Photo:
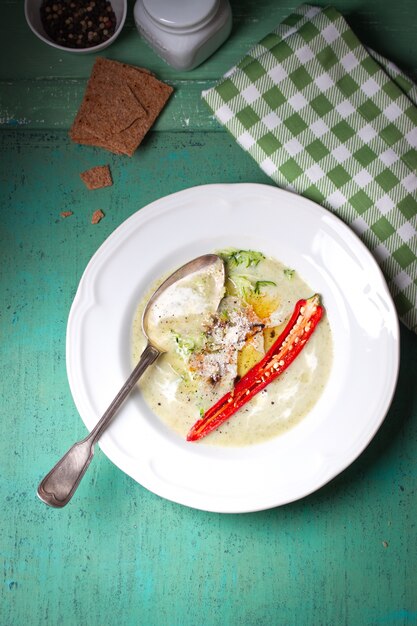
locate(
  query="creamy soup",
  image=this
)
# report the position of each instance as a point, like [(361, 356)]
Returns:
[(213, 332)]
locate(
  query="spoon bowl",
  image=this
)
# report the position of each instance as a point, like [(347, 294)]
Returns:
[(208, 263), (60, 484)]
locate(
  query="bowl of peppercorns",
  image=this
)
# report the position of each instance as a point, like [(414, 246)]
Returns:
[(76, 25)]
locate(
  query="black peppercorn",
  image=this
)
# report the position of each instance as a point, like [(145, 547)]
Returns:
[(78, 23)]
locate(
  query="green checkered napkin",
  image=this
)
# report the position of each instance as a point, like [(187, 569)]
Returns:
[(327, 118)]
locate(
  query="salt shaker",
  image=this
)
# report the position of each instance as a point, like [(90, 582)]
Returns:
[(184, 32)]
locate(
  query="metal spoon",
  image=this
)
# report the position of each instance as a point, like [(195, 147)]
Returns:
[(59, 485)]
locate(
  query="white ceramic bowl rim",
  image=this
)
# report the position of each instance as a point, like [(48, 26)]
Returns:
[(33, 18)]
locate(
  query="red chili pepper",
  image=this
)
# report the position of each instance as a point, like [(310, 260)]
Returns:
[(306, 315)]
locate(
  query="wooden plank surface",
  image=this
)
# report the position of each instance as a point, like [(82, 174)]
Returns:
[(118, 555)]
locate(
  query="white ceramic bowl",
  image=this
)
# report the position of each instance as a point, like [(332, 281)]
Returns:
[(329, 257), (33, 18)]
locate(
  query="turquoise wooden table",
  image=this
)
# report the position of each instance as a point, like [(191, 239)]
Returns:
[(119, 555)]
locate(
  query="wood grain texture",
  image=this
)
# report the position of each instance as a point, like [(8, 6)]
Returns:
[(118, 555)]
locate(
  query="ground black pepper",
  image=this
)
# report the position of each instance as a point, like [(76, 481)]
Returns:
[(78, 23)]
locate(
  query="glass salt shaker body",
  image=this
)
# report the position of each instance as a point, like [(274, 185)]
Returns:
[(184, 32)]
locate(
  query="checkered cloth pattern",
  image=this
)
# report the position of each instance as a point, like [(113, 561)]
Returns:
[(329, 119)]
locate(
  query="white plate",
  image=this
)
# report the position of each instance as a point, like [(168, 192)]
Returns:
[(330, 258)]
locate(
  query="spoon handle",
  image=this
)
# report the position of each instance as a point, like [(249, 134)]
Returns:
[(59, 485)]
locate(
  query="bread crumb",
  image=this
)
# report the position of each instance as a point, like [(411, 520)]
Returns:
[(97, 216), (97, 177), (66, 213)]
